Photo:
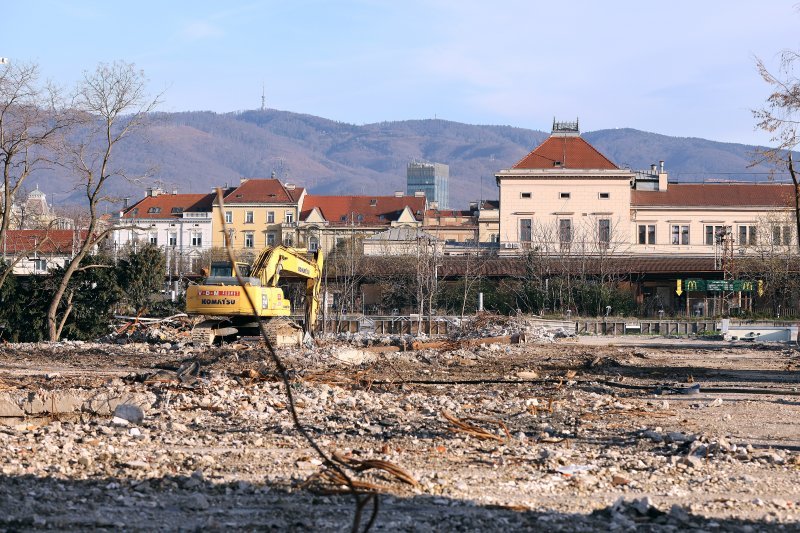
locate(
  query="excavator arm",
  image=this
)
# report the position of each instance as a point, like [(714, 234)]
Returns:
[(276, 261)]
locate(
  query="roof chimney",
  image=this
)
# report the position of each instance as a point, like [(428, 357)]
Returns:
[(174, 191), (653, 168), (290, 186), (125, 202), (661, 165), (398, 194), (154, 191), (419, 194), (242, 181)]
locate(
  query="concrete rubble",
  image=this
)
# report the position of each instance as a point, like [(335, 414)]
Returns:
[(531, 436)]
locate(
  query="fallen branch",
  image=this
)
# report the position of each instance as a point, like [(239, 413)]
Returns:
[(360, 465), (461, 426)]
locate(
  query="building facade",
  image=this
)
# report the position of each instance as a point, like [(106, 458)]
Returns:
[(179, 224), (564, 197), (36, 251), (328, 222), (258, 213), (567, 197)]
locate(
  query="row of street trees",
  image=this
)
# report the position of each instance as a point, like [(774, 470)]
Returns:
[(77, 133)]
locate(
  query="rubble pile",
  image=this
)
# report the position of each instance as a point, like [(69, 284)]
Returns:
[(188, 438)]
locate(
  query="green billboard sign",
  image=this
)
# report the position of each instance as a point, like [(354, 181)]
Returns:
[(719, 285)]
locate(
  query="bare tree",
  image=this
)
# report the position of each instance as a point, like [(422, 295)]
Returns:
[(114, 104), (32, 120), (780, 116)]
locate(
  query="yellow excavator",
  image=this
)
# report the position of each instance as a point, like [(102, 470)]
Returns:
[(227, 311)]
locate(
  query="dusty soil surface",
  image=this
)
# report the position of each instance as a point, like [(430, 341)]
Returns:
[(590, 435)]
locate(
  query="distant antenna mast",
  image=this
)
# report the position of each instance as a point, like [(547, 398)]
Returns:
[(263, 97)]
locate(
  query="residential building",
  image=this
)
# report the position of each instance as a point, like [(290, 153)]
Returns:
[(453, 226), (489, 222), (258, 213), (180, 224), (35, 251), (330, 221), (432, 179)]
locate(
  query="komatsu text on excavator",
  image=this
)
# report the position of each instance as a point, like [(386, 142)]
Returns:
[(223, 301)]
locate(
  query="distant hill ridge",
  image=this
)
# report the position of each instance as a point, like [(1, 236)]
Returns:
[(196, 151)]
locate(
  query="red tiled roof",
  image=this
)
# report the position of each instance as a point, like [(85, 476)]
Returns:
[(162, 206), (263, 191), (43, 241), (385, 209), (716, 195), (569, 151)]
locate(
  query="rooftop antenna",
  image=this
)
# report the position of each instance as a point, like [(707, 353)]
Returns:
[(263, 97)]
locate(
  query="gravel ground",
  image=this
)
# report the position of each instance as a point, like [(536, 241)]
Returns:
[(590, 435)]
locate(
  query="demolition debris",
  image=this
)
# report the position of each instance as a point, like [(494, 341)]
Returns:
[(146, 431)]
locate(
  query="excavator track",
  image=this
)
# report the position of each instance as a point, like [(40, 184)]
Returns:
[(283, 332), (204, 333)]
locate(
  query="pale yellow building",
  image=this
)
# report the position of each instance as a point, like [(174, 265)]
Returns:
[(258, 213)]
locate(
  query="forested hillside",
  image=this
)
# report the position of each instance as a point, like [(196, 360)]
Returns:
[(196, 151)]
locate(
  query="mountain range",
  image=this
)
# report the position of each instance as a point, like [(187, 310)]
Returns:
[(197, 151)]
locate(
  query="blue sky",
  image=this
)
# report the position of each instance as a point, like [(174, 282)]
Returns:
[(683, 68)]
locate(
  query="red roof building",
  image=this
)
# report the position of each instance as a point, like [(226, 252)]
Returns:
[(328, 221), (35, 251)]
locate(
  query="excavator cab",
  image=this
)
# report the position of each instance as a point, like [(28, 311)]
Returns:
[(225, 269)]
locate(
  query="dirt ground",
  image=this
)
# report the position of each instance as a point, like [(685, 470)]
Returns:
[(593, 434)]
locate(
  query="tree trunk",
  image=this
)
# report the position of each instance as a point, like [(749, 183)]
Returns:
[(796, 199)]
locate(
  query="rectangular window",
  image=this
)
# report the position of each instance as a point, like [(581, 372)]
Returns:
[(197, 238), (153, 239), (313, 244), (525, 195), (248, 217), (680, 234), (270, 217), (604, 232), (288, 240), (229, 217), (40, 265), (564, 195), (289, 217), (716, 234), (248, 239), (173, 239), (747, 235), (647, 234), (565, 231), (525, 230), (781, 235), (271, 239), (604, 195)]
